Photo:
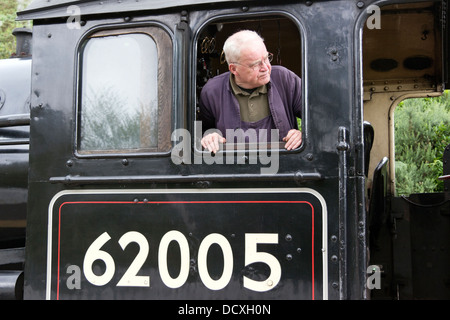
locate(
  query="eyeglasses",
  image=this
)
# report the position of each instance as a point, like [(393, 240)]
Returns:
[(257, 65)]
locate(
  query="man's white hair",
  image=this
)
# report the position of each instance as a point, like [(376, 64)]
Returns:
[(234, 44)]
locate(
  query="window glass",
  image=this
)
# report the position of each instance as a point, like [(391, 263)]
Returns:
[(121, 103)]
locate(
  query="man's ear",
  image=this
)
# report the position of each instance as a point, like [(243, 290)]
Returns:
[(232, 68)]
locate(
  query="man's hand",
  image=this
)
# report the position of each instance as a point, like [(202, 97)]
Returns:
[(211, 141), (293, 139)]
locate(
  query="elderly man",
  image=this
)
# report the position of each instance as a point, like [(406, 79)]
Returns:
[(252, 95)]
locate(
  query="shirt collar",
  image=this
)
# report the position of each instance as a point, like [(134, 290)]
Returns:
[(237, 90)]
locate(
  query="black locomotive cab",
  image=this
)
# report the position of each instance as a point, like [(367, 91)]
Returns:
[(124, 202)]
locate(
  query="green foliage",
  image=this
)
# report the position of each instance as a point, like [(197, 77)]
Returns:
[(106, 124), (421, 135), (8, 11)]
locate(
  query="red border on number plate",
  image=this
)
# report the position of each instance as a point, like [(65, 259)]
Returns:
[(183, 202)]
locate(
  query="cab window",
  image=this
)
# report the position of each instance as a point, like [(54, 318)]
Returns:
[(125, 92), (282, 39)]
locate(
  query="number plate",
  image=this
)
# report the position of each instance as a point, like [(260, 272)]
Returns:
[(181, 244)]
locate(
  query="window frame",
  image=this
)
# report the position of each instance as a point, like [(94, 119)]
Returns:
[(165, 82), (248, 148)]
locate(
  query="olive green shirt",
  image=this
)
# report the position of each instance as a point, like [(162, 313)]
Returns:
[(253, 105)]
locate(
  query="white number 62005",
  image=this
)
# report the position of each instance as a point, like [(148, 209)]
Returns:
[(131, 279)]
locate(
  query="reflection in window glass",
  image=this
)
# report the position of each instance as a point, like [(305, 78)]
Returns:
[(119, 98)]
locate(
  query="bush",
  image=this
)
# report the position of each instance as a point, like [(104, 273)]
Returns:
[(8, 23), (421, 135)]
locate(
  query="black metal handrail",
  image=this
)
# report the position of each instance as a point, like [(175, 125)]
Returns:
[(203, 180)]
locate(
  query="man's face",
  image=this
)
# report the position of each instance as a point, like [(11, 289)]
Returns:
[(253, 68)]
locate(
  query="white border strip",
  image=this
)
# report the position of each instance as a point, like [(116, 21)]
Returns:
[(188, 191)]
